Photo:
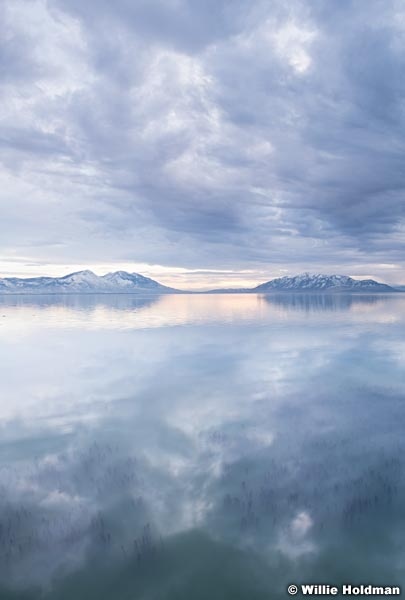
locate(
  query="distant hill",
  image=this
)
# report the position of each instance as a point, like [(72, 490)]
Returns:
[(314, 284), (322, 283), (121, 282), (84, 282)]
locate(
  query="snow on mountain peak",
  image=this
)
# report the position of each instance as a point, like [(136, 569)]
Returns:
[(84, 281), (319, 282)]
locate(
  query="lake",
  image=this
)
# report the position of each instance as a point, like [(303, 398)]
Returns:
[(200, 446)]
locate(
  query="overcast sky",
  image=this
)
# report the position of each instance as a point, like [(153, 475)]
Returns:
[(198, 141)]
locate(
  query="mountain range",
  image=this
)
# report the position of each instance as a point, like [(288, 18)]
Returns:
[(315, 284), (121, 282), (84, 282), (322, 283)]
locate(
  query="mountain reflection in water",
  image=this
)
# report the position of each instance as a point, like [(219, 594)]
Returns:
[(325, 302), (200, 447)]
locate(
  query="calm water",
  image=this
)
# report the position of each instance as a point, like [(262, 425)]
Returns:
[(200, 447)]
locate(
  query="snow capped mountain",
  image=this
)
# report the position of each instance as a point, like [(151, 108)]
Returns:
[(121, 282), (84, 282), (330, 283), (124, 280)]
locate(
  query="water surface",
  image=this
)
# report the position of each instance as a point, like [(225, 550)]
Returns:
[(200, 446)]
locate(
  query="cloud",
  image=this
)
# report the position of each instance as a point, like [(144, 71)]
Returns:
[(203, 135)]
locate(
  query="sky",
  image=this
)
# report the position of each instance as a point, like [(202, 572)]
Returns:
[(203, 142)]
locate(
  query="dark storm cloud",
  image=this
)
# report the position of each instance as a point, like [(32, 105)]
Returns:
[(205, 134)]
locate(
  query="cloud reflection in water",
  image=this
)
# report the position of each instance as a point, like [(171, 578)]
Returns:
[(225, 454)]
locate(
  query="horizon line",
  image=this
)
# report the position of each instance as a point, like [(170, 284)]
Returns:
[(208, 289)]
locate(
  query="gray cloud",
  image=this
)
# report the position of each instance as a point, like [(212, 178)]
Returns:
[(203, 135)]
